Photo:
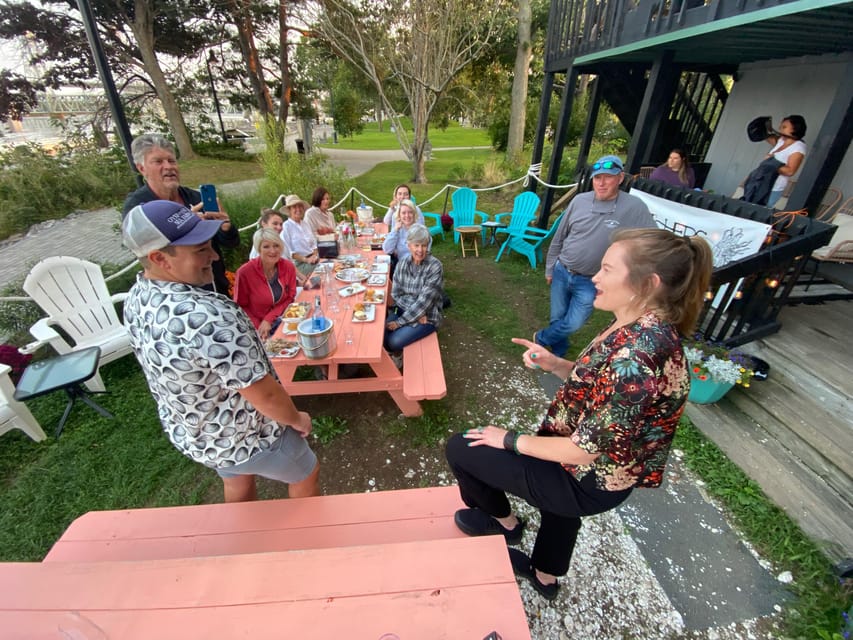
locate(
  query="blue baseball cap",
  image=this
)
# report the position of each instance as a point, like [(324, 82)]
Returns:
[(610, 165), (160, 223)]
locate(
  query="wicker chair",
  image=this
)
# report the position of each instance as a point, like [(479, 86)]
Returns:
[(826, 208), (840, 249)]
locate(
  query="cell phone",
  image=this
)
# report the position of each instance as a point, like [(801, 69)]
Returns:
[(208, 197)]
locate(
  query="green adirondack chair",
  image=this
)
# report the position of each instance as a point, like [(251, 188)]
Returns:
[(464, 211), (523, 212), (530, 242)]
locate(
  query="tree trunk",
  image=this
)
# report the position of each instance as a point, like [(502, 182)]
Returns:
[(246, 36), (284, 65), (143, 30), (518, 111), (420, 122)]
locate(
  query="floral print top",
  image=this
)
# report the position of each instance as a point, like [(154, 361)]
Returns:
[(623, 399)]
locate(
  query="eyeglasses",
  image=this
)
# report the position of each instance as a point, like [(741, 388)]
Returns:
[(610, 164)]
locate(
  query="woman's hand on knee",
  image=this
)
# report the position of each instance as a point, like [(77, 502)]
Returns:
[(489, 436)]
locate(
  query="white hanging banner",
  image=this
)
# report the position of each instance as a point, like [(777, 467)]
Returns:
[(730, 237)]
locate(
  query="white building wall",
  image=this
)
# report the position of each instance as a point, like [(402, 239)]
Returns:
[(804, 86)]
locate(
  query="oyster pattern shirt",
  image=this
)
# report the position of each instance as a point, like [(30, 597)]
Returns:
[(197, 350), (623, 400)]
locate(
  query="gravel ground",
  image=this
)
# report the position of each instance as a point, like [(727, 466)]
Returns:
[(610, 591)]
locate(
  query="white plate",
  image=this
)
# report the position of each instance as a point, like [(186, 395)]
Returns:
[(380, 267), (384, 257), (369, 310), (285, 348), (352, 275), (290, 352), (374, 296), (377, 279), (351, 290)]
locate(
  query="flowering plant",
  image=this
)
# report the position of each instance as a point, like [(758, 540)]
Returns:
[(446, 222), (714, 361)]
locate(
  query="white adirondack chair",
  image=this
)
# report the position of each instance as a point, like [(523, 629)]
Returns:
[(74, 295), (14, 414)]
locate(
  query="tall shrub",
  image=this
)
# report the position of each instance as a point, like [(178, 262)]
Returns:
[(38, 184), (289, 172)]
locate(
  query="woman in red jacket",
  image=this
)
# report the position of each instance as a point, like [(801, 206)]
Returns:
[(267, 284)]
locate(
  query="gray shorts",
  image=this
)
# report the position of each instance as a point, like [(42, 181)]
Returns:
[(289, 459)]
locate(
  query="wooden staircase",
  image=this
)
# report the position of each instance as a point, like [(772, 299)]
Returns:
[(347, 566), (793, 433)]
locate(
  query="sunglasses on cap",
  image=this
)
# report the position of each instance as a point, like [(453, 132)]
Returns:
[(610, 164)]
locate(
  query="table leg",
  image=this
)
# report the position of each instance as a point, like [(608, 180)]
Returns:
[(75, 392), (64, 417), (387, 370)]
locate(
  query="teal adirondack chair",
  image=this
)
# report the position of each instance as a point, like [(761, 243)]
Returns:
[(464, 211), (523, 212), (433, 224), (530, 242)]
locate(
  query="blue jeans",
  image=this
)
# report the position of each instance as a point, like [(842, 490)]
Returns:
[(572, 296), (406, 334), (773, 198)]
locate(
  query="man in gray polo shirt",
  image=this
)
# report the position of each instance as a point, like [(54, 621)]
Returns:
[(579, 245), (217, 396)]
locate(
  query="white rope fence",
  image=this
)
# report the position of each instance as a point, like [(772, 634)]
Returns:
[(532, 173)]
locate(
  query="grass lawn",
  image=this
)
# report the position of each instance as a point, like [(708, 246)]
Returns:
[(127, 462), (210, 170), (446, 167), (454, 136)]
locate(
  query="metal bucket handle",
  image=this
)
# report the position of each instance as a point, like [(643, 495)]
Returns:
[(322, 344)]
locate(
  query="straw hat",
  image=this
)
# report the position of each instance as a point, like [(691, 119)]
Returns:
[(293, 199)]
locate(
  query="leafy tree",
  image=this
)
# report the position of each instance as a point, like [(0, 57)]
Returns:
[(17, 95), (133, 33), (420, 46)]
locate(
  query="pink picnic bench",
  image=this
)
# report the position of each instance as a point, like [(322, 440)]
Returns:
[(423, 373), (348, 566)]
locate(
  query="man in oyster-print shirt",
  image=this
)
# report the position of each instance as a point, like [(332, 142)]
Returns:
[(217, 397)]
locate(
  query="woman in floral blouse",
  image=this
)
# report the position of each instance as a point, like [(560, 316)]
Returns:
[(610, 425)]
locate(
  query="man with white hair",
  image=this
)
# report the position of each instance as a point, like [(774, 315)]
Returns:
[(218, 399), (155, 159)]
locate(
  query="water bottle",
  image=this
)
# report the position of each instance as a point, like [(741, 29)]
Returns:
[(318, 320)]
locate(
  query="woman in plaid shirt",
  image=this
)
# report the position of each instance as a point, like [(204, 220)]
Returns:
[(417, 293)]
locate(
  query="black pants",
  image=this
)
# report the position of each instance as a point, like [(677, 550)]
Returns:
[(485, 474)]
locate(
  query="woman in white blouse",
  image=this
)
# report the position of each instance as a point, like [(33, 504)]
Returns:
[(318, 217)]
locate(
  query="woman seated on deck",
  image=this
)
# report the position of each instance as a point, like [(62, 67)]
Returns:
[(417, 292), (675, 171), (265, 285), (610, 426)]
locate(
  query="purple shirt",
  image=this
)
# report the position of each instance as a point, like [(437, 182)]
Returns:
[(664, 174)]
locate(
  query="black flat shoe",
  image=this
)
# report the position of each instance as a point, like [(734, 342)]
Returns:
[(476, 522), (522, 566)]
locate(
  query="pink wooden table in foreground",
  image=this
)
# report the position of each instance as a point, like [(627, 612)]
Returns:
[(456, 589)]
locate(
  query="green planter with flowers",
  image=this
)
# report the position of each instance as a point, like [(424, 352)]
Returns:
[(715, 370)]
